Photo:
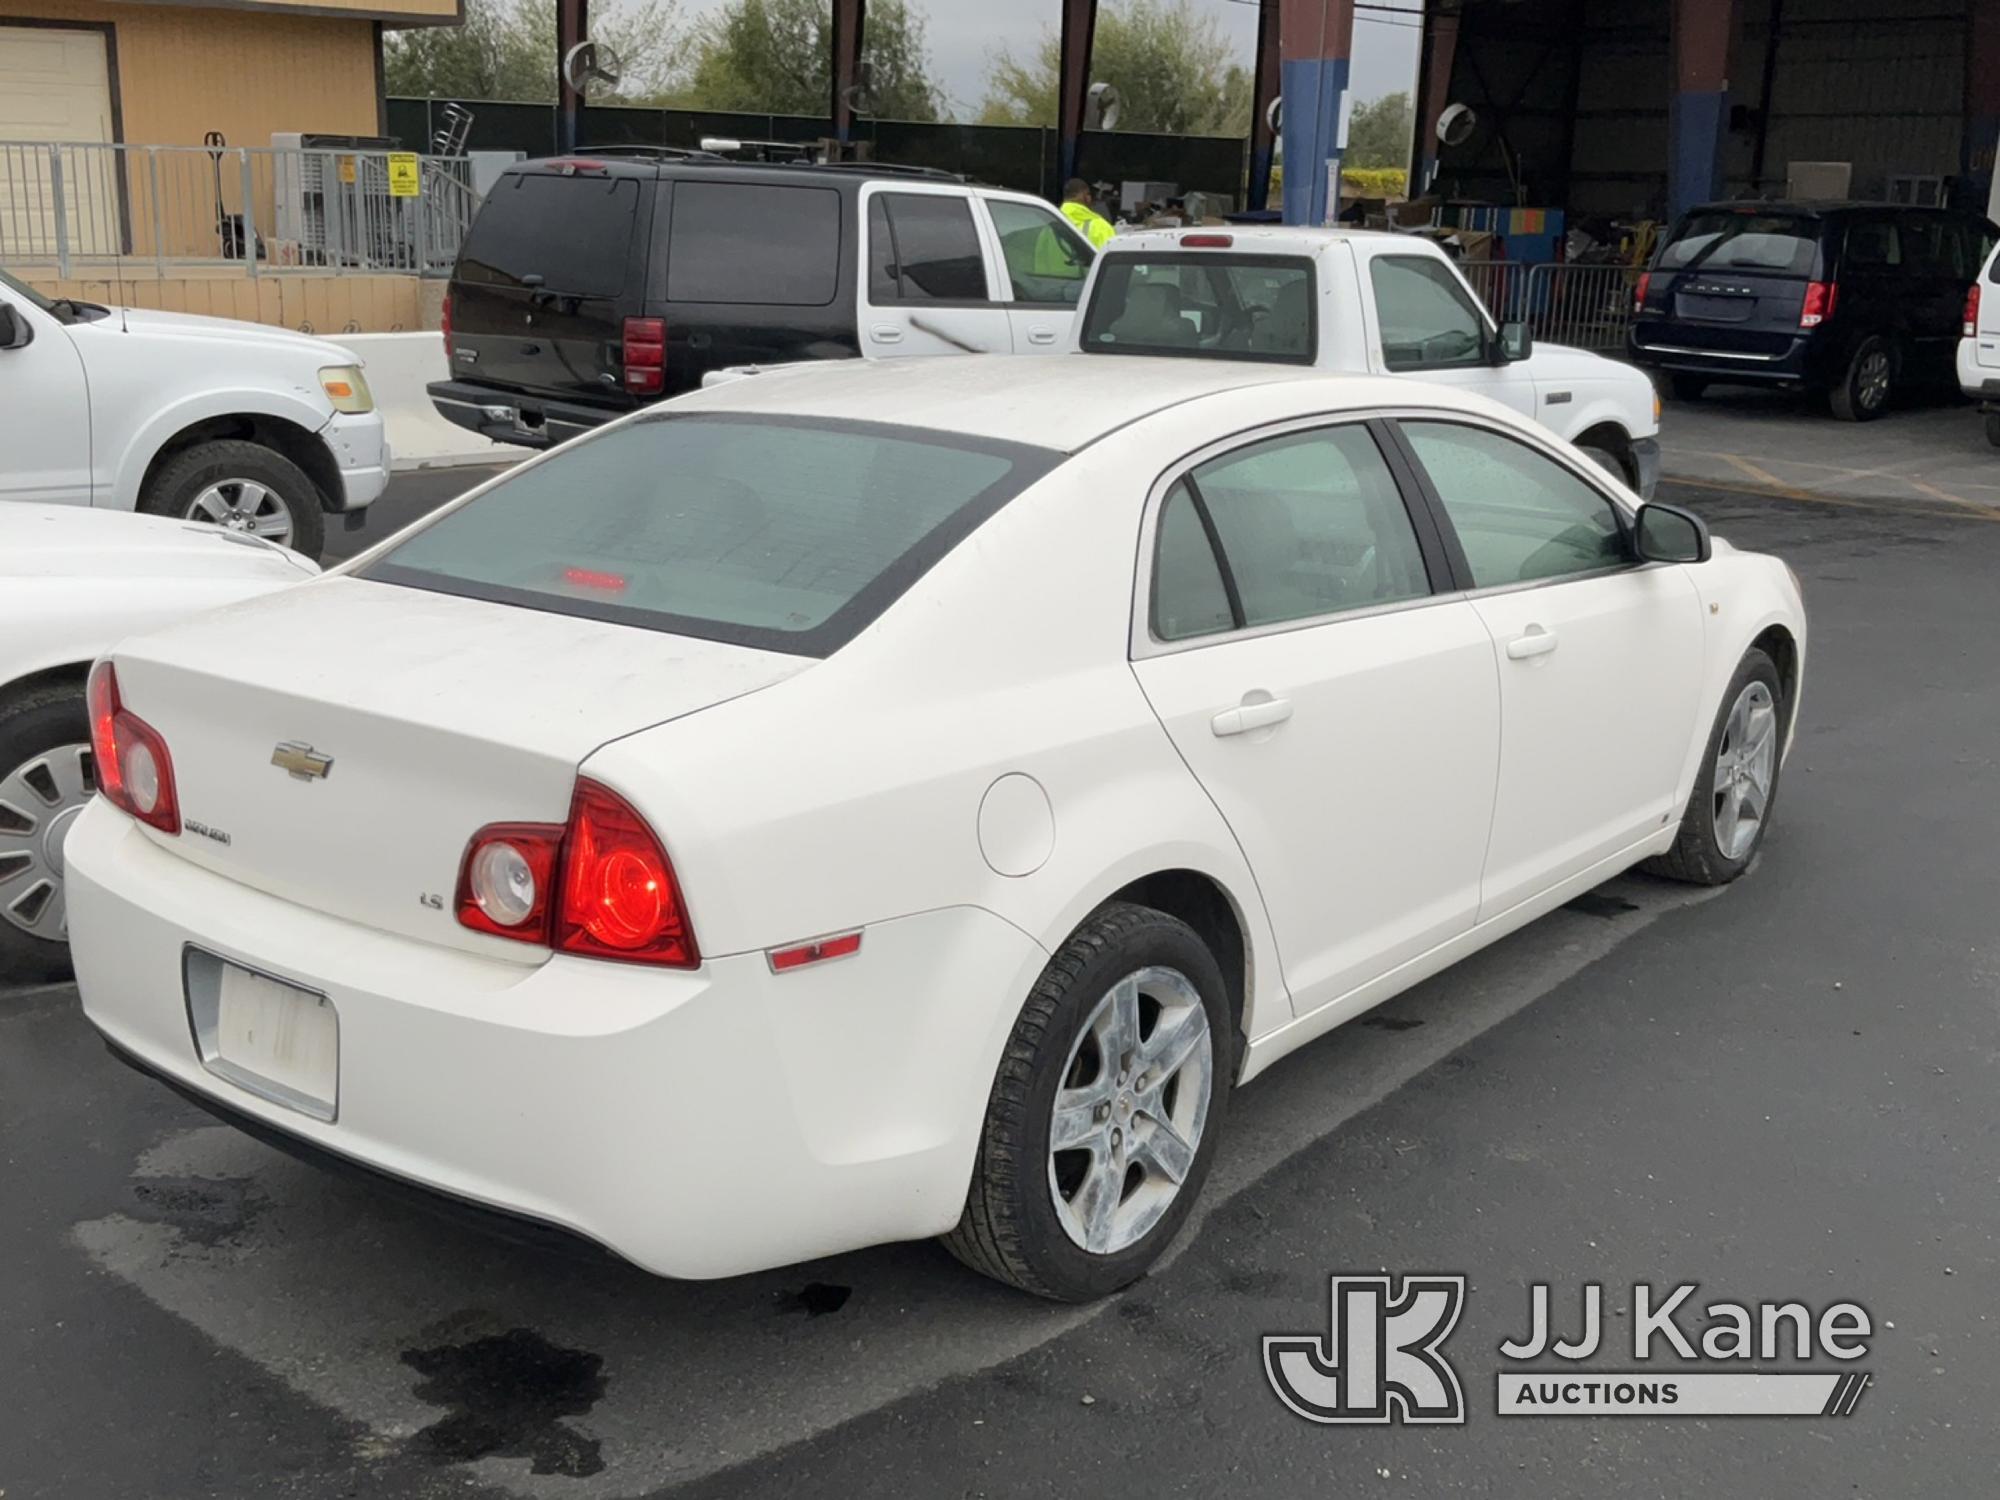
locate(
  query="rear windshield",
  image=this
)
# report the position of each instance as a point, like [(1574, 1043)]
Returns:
[(573, 232), (1781, 243), (1203, 305), (787, 534)]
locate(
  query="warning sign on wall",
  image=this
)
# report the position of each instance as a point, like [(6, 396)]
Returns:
[(405, 175), (346, 168)]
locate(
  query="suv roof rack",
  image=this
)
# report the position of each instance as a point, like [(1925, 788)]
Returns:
[(652, 153)]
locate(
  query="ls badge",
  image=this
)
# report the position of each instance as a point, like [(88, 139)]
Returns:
[(304, 762)]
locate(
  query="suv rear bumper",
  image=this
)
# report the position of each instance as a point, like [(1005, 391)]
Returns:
[(513, 417)]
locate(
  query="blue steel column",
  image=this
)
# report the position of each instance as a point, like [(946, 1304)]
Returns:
[(1079, 30), (572, 26), (1315, 41), (849, 17), (1263, 91), (1982, 97), (1699, 118)]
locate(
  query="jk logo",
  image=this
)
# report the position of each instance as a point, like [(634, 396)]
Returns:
[(1379, 1361)]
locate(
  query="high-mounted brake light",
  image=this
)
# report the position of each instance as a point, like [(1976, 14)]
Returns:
[(133, 769), (593, 578), (645, 356), (1971, 329), (1821, 297), (569, 166), (1207, 241), (1639, 292), (599, 885)]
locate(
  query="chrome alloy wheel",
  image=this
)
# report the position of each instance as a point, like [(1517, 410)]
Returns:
[(244, 505), (38, 801), (1130, 1110), (1872, 383), (1746, 764)]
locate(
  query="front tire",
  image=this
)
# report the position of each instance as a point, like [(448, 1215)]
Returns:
[(242, 487), (1730, 810), (1103, 1119), (1609, 462), (46, 778), (1864, 391)]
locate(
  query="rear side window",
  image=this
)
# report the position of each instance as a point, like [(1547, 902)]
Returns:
[(1047, 260), (781, 533), (1873, 245), (573, 232), (922, 248), (1729, 241), (1428, 322), (1203, 306), (747, 243)]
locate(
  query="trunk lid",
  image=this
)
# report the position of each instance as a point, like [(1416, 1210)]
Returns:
[(1734, 280), (543, 283), (439, 714)]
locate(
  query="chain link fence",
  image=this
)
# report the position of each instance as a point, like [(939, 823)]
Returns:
[(79, 207)]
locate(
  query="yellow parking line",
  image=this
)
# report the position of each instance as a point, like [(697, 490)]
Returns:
[(1757, 491), (1765, 477), (1933, 490)]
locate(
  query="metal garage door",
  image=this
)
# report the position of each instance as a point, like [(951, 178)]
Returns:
[(55, 86)]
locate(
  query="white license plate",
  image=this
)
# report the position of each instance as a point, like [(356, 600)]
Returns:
[(269, 1037)]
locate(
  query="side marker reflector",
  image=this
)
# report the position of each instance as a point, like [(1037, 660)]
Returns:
[(818, 951)]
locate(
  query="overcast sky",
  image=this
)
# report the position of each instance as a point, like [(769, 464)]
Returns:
[(964, 34)]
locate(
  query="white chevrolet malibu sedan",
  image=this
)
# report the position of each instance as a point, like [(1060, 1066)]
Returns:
[(906, 799)]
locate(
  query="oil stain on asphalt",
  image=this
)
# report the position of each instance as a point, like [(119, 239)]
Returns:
[(508, 1393)]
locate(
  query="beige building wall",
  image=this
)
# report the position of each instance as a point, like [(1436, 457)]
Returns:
[(323, 304)]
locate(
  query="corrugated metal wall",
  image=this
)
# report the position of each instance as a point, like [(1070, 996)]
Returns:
[(1574, 97)]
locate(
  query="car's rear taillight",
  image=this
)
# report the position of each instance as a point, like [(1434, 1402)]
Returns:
[(1645, 284), (133, 769), (1821, 296), (599, 885), (444, 327), (645, 356), (1971, 329)]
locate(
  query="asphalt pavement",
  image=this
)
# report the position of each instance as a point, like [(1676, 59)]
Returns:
[(1782, 1090)]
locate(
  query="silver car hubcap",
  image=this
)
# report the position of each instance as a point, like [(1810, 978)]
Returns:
[(1874, 379), (38, 801), (1745, 767), (1129, 1114), (244, 505)]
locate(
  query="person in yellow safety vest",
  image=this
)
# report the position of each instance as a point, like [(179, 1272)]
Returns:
[(1076, 208)]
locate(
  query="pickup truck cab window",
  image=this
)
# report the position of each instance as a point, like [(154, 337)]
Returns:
[(1257, 307), (1427, 321)]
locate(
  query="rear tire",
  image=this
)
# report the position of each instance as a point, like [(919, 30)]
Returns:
[(244, 487), (1031, 1216), (1739, 767), (1609, 462), (1689, 387), (44, 784), (1864, 391), (1993, 428)]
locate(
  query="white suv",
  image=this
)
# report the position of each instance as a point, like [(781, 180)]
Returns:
[(1979, 348), (258, 429)]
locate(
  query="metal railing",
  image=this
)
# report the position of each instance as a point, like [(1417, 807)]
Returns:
[(79, 207), (1586, 306)]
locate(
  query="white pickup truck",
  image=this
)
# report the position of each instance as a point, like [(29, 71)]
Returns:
[(1363, 301)]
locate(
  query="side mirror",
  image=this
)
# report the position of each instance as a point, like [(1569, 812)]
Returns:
[(16, 332), (1515, 343), (1667, 534)]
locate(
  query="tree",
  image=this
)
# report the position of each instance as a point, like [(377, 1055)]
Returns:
[(506, 49), (1378, 133), (1171, 66), (776, 57)]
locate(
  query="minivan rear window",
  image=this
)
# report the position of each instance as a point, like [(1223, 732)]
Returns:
[(573, 232), (784, 533), (1784, 244), (753, 244), (1202, 305)]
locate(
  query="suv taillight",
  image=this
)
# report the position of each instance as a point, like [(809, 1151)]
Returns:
[(645, 356), (444, 327), (132, 766), (1639, 292), (1821, 296), (1971, 329), (599, 885)]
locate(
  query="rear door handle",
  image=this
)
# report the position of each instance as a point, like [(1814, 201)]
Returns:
[(1534, 642), (1248, 716), (886, 333), (1041, 335)]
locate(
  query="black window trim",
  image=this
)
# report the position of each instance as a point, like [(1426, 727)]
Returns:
[(1463, 583), (1309, 264), (1487, 327), (1032, 463), (1146, 641)]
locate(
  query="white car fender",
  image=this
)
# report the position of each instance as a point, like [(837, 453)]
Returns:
[(307, 410), (1744, 595)]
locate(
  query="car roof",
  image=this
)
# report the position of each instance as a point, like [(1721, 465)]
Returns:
[(655, 162), (1271, 239), (1821, 206), (1064, 402)]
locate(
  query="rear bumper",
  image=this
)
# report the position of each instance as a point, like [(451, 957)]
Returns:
[(514, 417), (699, 1123), (1980, 381), (1658, 348), (359, 442)]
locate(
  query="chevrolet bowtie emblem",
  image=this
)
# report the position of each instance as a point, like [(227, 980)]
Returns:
[(304, 762)]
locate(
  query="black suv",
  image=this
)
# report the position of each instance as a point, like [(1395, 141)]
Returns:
[(1852, 299), (593, 284)]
